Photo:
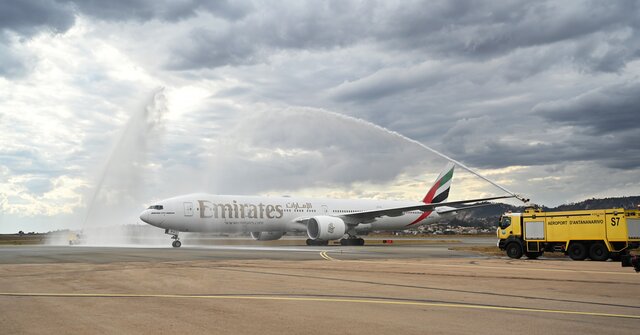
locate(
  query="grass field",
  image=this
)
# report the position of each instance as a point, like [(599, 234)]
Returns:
[(15, 239)]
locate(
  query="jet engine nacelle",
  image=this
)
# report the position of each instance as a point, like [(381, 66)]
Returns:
[(326, 228), (266, 235)]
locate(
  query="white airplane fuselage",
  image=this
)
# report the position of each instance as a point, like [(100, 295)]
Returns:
[(269, 218), (225, 214)]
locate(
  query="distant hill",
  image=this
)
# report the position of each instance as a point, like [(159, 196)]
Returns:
[(488, 216)]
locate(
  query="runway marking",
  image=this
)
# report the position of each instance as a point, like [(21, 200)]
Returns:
[(326, 256), (342, 300)]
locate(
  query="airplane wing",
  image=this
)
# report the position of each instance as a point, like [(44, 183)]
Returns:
[(455, 209), (368, 216)]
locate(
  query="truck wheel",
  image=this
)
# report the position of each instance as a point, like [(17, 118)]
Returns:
[(577, 251), (599, 252), (514, 250), (533, 255)]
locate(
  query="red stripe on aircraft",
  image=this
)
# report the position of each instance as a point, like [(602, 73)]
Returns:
[(429, 196), (420, 218)]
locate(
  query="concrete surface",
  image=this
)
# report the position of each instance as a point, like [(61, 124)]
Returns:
[(314, 290)]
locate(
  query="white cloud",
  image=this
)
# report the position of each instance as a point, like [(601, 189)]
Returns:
[(64, 196), (250, 91)]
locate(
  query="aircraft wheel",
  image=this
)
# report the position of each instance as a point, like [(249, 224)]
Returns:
[(352, 241), (317, 242), (176, 244)]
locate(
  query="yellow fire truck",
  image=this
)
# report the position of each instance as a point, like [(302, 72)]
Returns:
[(598, 234)]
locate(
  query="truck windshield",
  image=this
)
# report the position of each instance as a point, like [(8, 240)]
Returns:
[(505, 222)]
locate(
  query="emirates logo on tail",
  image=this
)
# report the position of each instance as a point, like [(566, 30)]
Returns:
[(439, 192)]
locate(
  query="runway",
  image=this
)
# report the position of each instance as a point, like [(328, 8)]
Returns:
[(408, 289), (101, 255)]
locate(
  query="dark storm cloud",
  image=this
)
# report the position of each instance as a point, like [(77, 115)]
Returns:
[(465, 29), (28, 17), (598, 126), (607, 110), (279, 26), (144, 10), (24, 19), (618, 153), (473, 30)]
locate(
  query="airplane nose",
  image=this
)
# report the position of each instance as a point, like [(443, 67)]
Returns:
[(144, 216)]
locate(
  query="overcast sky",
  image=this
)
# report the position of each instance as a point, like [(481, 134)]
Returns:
[(111, 105)]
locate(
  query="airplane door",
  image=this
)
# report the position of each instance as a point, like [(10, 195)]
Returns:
[(188, 209), (325, 210)]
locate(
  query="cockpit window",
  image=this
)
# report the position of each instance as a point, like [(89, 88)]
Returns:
[(505, 222), (158, 207)]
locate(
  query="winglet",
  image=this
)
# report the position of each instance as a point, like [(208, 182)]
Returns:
[(439, 192)]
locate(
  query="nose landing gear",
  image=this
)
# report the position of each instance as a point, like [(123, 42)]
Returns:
[(176, 243)]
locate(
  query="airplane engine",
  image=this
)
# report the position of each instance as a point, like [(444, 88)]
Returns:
[(266, 235), (326, 228)]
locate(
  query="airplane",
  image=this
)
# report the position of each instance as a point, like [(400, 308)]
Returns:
[(324, 220)]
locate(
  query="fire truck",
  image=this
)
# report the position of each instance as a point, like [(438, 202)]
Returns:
[(596, 234)]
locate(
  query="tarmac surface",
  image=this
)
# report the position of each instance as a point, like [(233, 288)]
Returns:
[(233, 289)]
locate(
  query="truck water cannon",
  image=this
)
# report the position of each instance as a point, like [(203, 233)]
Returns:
[(631, 260)]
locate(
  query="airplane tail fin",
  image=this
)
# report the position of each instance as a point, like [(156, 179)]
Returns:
[(439, 192)]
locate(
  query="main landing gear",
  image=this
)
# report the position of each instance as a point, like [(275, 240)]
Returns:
[(317, 242), (352, 240), (174, 236)]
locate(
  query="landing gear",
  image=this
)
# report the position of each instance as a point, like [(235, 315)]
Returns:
[(317, 242), (352, 240), (174, 236)]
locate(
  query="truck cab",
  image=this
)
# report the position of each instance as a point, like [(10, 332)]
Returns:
[(510, 238)]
